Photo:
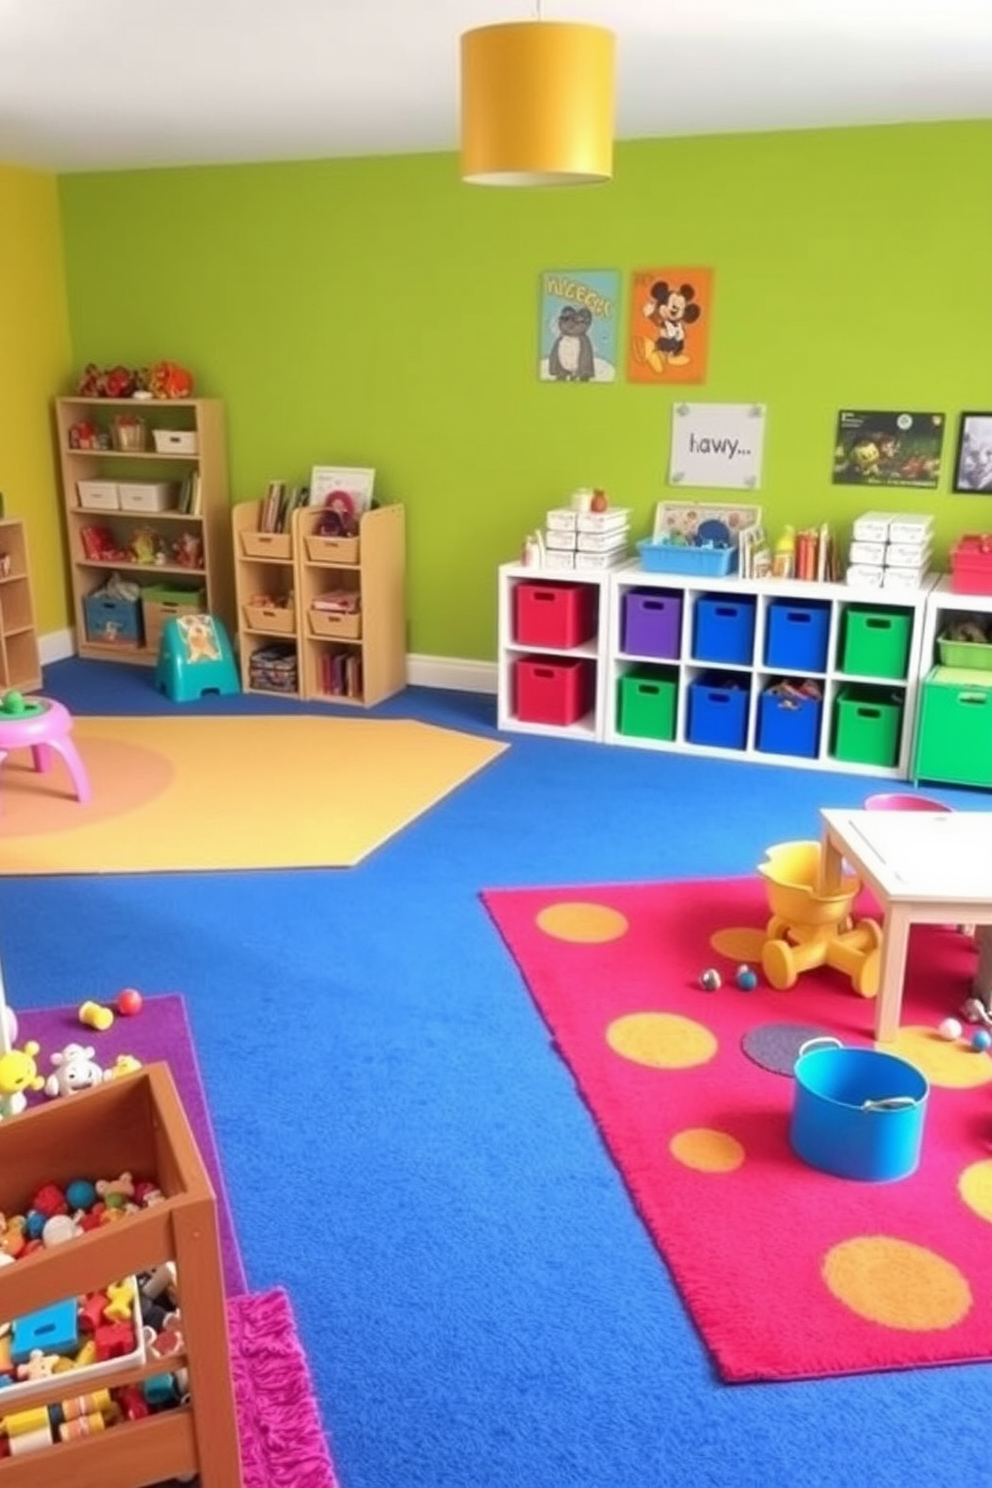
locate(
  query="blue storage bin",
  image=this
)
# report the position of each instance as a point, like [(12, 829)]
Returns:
[(789, 723), (718, 711), (723, 629), (112, 621), (658, 556), (796, 635)]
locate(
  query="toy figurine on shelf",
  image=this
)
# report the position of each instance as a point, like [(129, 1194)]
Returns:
[(188, 551)]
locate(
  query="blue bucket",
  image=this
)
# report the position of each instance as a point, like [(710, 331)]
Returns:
[(857, 1113)]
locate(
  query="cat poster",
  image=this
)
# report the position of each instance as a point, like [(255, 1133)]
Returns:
[(671, 310), (578, 325)]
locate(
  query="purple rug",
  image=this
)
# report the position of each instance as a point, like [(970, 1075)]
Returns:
[(159, 1032)]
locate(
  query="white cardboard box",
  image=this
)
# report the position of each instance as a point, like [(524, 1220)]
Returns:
[(561, 519), (615, 519), (907, 555), (563, 541), (910, 528), (175, 441), (558, 558), (880, 526), (866, 552), (148, 496), (98, 495), (601, 542), (903, 578), (602, 560), (865, 575)]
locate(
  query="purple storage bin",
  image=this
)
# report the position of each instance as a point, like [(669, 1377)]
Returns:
[(652, 623)]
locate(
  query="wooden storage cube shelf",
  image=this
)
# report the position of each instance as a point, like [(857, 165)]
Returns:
[(136, 1124), (16, 611), (140, 473)]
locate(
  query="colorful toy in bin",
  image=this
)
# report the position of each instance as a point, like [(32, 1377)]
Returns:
[(809, 928)]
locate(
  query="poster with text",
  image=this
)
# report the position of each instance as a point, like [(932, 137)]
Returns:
[(671, 310), (874, 448), (717, 444), (578, 332)]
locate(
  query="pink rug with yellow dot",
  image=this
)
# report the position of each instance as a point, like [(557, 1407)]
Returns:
[(788, 1271)]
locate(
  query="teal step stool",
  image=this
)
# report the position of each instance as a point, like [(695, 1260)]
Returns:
[(195, 657)]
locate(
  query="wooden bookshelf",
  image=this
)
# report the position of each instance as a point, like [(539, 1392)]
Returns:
[(200, 451), (20, 661)]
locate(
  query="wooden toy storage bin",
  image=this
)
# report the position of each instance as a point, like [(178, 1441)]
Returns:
[(134, 1124)]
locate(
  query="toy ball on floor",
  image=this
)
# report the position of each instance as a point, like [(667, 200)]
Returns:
[(710, 981), (981, 1040), (950, 1030), (746, 978), (129, 1002)]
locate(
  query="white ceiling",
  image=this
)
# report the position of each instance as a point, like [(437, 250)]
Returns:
[(89, 84)]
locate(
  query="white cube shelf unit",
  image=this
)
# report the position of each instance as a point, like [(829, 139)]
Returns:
[(520, 659), (886, 694), (839, 610)]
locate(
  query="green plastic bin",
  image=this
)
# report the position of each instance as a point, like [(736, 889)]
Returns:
[(646, 699), (954, 732), (867, 726), (875, 641)]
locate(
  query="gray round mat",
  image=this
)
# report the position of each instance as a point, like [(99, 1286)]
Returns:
[(775, 1046)]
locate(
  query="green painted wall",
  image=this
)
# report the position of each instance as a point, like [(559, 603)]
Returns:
[(34, 355), (378, 312)]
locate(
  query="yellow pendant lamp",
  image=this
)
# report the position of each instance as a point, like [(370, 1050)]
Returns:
[(537, 104)]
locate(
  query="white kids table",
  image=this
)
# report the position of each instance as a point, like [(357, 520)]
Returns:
[(930, 868)]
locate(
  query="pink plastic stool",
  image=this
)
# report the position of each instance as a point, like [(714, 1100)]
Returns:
[(892, 802), (44, 727)]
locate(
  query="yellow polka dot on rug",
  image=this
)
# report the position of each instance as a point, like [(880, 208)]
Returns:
[(706, 1150), (953, 1064), (583, 923), (661, 1040), (896, 1283), (975, 1188)]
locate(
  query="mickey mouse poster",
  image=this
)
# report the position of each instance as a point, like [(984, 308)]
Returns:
[(670, 314)]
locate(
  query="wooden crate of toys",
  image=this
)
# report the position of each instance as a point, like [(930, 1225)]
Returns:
[(112, 1430)]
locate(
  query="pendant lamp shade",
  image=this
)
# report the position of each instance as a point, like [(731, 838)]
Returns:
[(537, 104)]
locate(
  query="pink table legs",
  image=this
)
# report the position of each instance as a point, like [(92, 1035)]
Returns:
[(45, 728)]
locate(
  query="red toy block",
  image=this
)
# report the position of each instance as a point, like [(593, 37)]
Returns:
[(91, 1312), (113, 1341)]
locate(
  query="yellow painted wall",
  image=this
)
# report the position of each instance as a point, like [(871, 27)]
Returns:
[(34, 358)]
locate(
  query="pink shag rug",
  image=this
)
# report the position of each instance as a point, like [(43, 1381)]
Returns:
[(282, 1440)]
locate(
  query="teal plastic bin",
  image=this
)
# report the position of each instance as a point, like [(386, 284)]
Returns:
[(857, 1113)]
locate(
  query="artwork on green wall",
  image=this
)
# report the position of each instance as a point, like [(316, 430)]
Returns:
[(717, 444), (578, 325), (973, 462), (670, 314), (885, 448)]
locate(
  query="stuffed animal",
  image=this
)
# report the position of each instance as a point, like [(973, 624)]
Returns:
[(75, 1070)]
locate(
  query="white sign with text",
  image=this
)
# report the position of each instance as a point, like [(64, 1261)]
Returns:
[(717, 444)]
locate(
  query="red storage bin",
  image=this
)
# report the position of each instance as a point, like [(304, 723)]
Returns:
[(971, 564), (555, 690), (554, 614)]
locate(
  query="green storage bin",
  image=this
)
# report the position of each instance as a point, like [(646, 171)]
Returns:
[(867, 726), (875, 641), (954, 730), (646, 699)]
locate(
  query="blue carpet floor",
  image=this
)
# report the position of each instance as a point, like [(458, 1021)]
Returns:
[(406, 1154)]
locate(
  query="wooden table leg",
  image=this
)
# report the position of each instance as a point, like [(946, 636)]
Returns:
[(831, 867), (892, 972)]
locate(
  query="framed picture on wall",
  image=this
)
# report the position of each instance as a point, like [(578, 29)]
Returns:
[(973, 461), (883, 447), (577, 334), (671, 309)]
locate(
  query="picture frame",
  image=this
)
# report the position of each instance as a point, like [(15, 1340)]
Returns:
[(973, 457), (350, 486)]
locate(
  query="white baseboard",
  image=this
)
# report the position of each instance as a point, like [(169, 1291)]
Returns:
[(56, 646), (450, 672), (421, 671)]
